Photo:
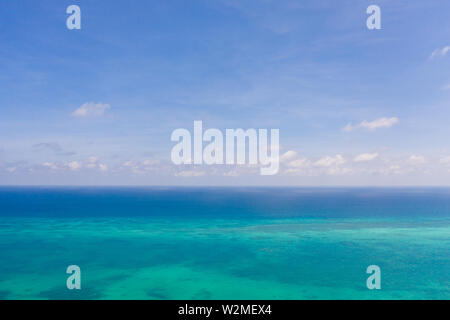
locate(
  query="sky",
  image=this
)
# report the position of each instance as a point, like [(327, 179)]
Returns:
[(97, 106)]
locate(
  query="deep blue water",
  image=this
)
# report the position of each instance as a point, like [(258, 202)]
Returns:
[(225, 202)]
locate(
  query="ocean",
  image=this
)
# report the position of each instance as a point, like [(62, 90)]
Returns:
[(224, 243)]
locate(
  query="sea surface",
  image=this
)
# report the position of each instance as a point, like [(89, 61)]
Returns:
[(224, 243)]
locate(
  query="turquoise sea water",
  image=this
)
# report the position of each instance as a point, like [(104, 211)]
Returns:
[(224, 243)]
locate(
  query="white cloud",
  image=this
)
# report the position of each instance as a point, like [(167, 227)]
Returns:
[(91, 109), (379, 123), (365, 157), (190, 174), (349, 127), (288, 155), (128, 163), (440, 52), (145, 166), (330, 161), (150, 162), (446, 87), (74, 165), (416, 159), (50, 165), (373, 125), (299, 163), (91, 163)]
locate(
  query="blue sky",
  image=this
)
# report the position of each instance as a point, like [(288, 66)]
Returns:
[(307, 68)]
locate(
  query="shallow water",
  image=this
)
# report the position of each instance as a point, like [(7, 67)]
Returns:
[(305, 250)]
